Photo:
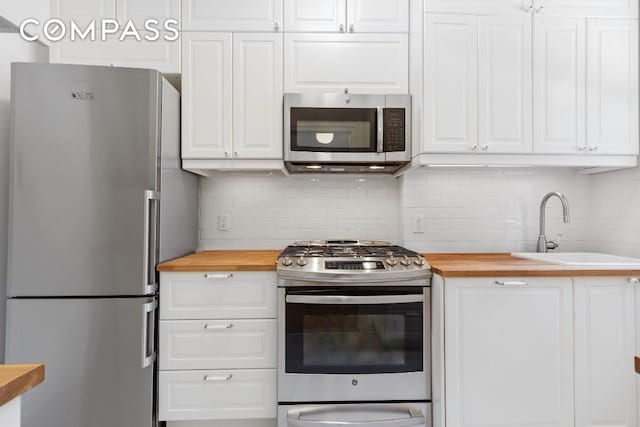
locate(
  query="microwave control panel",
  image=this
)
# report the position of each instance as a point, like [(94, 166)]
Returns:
[(394, 129)]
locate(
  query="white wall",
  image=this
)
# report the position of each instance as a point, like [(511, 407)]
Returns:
[(465, 209), (12, 49), (615, 212)]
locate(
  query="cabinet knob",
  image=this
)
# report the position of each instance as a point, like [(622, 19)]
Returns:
[(226, 154), (528, 9), (277, 26), (584, 148), (485, 148), (539, 9), (341, 28), (474, 147), (351, 28), (235, 154), (593, 149), (634, 280)]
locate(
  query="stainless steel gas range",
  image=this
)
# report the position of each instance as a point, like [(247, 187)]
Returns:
[(353, 335)]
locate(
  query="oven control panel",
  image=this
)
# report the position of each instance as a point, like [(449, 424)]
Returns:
[(353, 265)]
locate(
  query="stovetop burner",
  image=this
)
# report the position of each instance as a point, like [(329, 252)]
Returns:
[(350, 260)]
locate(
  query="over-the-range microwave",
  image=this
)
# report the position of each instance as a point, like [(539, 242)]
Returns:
[(347, 133)]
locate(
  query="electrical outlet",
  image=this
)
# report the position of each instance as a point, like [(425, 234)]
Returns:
[(223, 222), (418, 223)]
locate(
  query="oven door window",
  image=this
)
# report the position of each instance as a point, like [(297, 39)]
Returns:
[(345, 338), (334, 130)]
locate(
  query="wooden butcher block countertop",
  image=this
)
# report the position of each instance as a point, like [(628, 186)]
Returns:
[(447, 265), (17, 379), (638, 364), (502, 264), (224, 261)]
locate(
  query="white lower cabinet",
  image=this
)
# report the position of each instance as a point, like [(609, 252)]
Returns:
[(217, 349), (509, 352), (217, 394), (605, 330), (539, 351)]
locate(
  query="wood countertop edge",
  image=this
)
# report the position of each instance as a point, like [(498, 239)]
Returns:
[(15, 380), (638, 364), (450, 265)]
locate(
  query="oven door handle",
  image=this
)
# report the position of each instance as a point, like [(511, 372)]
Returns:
[(294, 419), (354, 299)]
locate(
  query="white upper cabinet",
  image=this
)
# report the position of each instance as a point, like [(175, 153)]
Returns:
[(559, 80), (378, 16), (235, 15), (593, 8), (612, 86), (361, 63), (314, 15), (605, 326), (139, 11), (257, 96), (482, 7), (504, 84), (206, 95), (450, 83), (509, 352), (361, 16), (83, 11)]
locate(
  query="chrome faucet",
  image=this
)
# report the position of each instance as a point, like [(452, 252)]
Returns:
[(543, 244)]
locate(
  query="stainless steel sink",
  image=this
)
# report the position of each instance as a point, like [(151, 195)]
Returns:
[(582, 259)]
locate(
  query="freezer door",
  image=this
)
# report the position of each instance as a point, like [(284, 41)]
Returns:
[(98, 357), (85, 176)]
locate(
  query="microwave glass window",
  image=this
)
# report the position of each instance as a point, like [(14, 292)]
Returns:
[(336, 130), (354, 339)]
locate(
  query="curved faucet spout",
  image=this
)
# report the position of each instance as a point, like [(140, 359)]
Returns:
[(543, 244)]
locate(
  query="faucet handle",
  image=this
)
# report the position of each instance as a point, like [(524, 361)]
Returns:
[(551, 244)]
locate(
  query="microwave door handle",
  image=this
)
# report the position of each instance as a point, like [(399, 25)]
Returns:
[(352, 299), (380, 122), (295, 419)]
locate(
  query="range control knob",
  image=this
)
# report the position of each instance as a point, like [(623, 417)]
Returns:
[(405, 261), (302, 262), (391, 261), (286, 261), (419, 260)]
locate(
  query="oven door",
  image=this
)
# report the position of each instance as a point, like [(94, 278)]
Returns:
[(353, 344)]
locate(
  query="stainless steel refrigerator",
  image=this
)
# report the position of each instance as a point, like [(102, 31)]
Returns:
[(97, 199)]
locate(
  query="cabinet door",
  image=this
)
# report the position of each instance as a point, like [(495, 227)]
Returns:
[(504, 84), (206, 95), (604, 351), (236, 15), (161, 55), (612, 86), (362, 63), (485, 7), (450, 83), (594, 8), (139, 11), (509, 352), (314, 15), (559, 85), (83, 11), (257, 96), (378, 16)]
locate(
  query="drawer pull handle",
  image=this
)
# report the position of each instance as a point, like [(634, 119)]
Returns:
[(512, 283), (218, 276), (212, 378), (214, 327), (634, 281)]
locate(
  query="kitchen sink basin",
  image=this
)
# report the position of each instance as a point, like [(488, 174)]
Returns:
[(582, 259)]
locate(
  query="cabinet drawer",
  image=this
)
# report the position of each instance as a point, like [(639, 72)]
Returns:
[(217, 344), (200, 395), (218, 295)]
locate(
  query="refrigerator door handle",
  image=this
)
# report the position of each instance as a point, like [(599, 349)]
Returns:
[(150, 241), (148, 333)]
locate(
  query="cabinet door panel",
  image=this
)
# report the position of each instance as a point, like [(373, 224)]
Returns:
[(257, 96), (559, 81), (485, 7), (450, 83), (504, 82), (363, 63), (236, 15), (612, 86), (139, 11), (595, 8), (605, 348), (378, 16), (314, 15), (206, 95), (509, 352), (83, 11)]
